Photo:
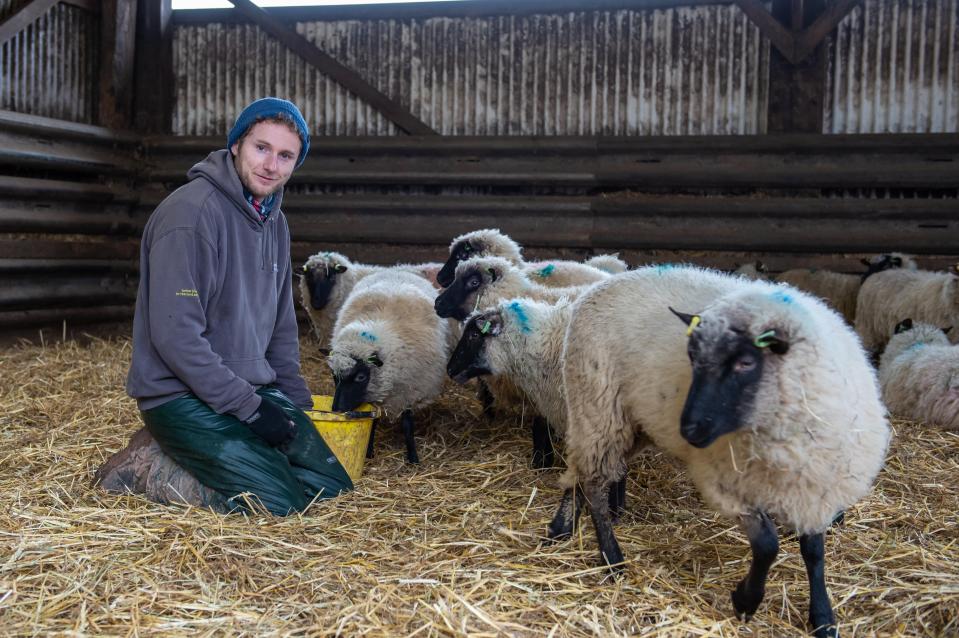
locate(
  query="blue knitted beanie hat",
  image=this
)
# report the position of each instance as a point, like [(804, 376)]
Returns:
[(270, 107)]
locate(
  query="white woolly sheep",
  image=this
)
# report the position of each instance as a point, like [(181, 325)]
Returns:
[(840, 290), (490, 242), (390, 348), (779, 420), (522, 340), (328, 278), (485, 281), (608, 263), (889, 296), (919, 375)]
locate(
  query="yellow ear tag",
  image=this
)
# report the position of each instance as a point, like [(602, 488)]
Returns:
[(693, 323), (305, 268)]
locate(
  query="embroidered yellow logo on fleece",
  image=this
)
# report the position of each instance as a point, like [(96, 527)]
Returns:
[(187, 292)]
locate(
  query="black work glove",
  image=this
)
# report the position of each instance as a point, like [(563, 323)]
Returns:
[(271, 423)]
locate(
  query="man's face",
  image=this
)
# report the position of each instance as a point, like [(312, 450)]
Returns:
[(265, 157)]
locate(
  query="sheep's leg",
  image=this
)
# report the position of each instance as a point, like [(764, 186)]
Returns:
[(369, 444), (543, 454), (840, 518), (609, 551), (407, 420), (564, 522), (486, 400), (765, 545), (820, 610), (617, 499)]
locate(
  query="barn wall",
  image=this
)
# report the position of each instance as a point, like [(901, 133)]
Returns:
[(68, 244), (678, 71), (50, 68)]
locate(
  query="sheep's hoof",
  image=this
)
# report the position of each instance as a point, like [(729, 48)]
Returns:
[(616, 567), (827, 631), (558, 531), (542, 460), (745, 603)]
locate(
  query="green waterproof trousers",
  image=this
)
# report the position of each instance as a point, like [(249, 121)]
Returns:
[(225, 455)]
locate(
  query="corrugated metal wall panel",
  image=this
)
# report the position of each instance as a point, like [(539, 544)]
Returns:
[(50, 68), (678, 71), (893, 68)]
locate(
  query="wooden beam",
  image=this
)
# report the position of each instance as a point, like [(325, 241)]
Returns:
[(823, 26), (93, 6), (770, 27), (153, 99), (341, 74), (23, 18), (118, 43), (797, 89)]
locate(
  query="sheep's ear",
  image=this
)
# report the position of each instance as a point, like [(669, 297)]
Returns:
[(945, 331), (771, 340), (324, 351), (896, 262), (690, 320), (338, 268), (492, 274), (760, 266), (374, 360), (865, 262), (491, 325), (902, 326)]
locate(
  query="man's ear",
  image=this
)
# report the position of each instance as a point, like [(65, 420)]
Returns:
[(235, 148)]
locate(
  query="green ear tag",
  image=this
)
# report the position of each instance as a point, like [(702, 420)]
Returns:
[(763, 340), (485, 328)]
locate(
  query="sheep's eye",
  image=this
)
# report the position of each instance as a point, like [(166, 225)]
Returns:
[(360, 377), (473, 282), (744, 364)]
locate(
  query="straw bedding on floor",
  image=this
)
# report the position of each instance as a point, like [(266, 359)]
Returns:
[(452, 547)]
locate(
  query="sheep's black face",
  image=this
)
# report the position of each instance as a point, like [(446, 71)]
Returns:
[(320, 281), (726, 377), (462, 251), (468, 360), (351, 387), (455, 301), (883, 262)]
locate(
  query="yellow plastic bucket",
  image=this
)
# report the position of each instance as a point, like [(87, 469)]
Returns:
[(347, 433)]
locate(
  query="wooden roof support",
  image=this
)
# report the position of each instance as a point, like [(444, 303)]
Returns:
[(348, 78), (23, 18), (796, 44)]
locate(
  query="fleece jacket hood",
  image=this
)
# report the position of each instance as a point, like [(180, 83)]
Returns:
[(214, 313)]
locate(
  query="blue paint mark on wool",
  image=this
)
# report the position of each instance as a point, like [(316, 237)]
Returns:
[(546, 271), (781, 296), (368, 336), (517, 309), (664, 268), (915, 346)]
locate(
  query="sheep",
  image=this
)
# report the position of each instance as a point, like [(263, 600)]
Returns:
[(327, 279), (390, 348), (755, 270), (486, 280), (490, 242), (840, 290), (521, 340), (888, 296), (608, 263), (919, 375), (779, 418)]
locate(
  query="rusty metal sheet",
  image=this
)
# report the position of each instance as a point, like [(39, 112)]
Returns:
[(685, 70), (893, 68), (50, 68)]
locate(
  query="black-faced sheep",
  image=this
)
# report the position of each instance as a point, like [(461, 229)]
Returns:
[(390, 348), (919, 375), (889, 296), (490, 242), (778, 419)]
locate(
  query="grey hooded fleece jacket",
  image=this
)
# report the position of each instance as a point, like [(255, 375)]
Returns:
[(214, 312)]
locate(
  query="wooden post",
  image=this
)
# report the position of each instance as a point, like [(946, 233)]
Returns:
[(797, 91), (153, 99), (118, 26)]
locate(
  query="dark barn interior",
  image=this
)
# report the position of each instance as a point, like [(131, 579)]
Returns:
[(798, 133)]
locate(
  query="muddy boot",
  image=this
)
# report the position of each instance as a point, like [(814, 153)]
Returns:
[(120, 472), (166, 483)]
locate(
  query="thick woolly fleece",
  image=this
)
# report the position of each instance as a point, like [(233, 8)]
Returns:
[(888, 297), (343, 284), (558, 273), (816, 435), (214, 313), (391, 314), (919, 375)]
